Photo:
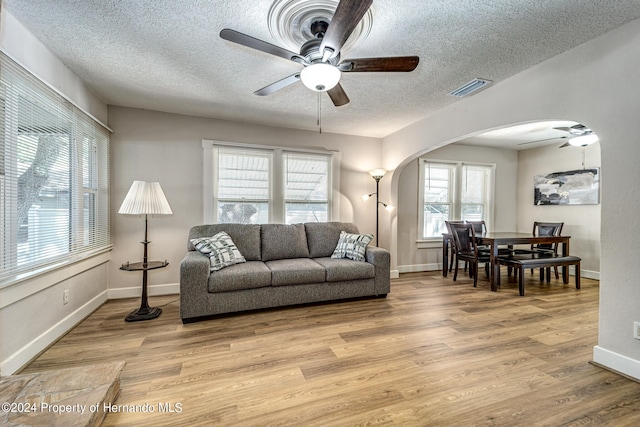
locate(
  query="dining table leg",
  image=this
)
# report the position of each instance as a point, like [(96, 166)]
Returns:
[(495, 267)]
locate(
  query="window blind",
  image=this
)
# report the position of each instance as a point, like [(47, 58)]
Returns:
[(54, 176), (306, 187)]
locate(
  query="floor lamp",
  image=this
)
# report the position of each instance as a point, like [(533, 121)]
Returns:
[(144, 198), (377, 174)]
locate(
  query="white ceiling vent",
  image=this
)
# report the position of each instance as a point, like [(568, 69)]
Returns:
[(471, 87)]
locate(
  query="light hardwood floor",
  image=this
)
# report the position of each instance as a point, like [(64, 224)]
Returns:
[(433, 353)]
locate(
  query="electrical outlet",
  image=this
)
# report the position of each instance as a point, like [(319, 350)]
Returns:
[(636, 330), (65, 297)]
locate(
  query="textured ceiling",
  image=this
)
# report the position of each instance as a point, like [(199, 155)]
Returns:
[(167, 55)]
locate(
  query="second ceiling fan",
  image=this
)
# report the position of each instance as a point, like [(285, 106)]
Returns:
[(320, 56)]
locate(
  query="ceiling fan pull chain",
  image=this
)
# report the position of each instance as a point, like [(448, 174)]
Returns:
[(319, 121)]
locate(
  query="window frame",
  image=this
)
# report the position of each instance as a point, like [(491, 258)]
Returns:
[(455, 193), (277, 176), (20, 90)]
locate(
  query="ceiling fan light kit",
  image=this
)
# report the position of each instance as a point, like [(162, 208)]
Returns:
[(320, 76), (583, 140)]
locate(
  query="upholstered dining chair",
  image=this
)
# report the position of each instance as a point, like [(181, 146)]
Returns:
[(545, 229), (464, 237)]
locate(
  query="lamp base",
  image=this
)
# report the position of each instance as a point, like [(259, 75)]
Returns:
[(147, 313)]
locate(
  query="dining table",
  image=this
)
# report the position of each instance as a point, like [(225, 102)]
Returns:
[(493, 240)]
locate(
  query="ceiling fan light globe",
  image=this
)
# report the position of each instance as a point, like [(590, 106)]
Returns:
[(581, 141), (320, 77)]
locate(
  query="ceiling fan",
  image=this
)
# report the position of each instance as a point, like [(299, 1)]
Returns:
[(579, 136), (320, 56)]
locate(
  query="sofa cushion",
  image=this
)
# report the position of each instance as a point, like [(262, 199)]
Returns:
[(298, 271), (343, 269), (220, 249), (352, 246), (283, 241), (322, 237), (245, 236), (252, 274)]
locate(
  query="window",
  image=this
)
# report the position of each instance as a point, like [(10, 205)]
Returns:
[(453, 191), (256, 185), (306, 187), (53, 176)]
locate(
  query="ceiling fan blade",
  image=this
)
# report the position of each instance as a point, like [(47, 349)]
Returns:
[(542, 140), (280, 84), (563, 128), (252, 42), (577, 129), (347, 16), (338, 95), (396, 63)]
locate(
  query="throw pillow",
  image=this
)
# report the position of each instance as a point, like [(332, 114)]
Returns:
[(220, 249), (352, 246)]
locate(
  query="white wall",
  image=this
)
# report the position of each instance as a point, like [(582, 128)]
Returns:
[(595, 84), (413, 258), (154, 146), (24, 48), (581, 222), (32, 315)]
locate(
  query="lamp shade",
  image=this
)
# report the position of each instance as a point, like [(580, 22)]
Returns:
[(320, 77), (145, 198), (378, 173)]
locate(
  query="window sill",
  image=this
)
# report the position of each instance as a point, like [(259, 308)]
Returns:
[(429, 244), (15, 288)]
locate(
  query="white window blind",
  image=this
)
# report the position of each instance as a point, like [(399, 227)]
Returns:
[(306, 187), (242, 185), (54, 176)]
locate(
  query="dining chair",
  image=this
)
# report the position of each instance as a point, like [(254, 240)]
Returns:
[(545, 229), (467, 250), (452, 246), (480, 227)]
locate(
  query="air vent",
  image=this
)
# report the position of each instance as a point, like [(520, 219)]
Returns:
[(469, 88)]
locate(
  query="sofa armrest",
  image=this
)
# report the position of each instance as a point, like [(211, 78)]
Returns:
[(194, 275), (381, 260)]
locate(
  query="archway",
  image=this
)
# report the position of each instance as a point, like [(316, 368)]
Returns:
[(518, 153)]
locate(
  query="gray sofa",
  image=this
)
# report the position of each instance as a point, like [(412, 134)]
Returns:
[(285, 265)]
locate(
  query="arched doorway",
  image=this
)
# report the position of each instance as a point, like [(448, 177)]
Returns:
[(518, 153)]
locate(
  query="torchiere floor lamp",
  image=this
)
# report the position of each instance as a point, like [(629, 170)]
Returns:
[(377, 174)]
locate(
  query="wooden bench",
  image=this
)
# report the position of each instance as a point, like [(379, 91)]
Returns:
[(536, 260)]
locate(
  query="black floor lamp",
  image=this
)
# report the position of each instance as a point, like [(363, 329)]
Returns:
[(377, 174), (144, 198)]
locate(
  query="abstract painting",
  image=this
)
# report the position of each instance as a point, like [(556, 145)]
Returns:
[(577, 187)]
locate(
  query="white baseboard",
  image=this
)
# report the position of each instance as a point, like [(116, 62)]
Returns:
[(153, 290), (616, 362), (394, 274), (416, 268), (20, 358)]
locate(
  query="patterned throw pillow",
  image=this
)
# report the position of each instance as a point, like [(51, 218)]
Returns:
[(352, 246), (220, 249)]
